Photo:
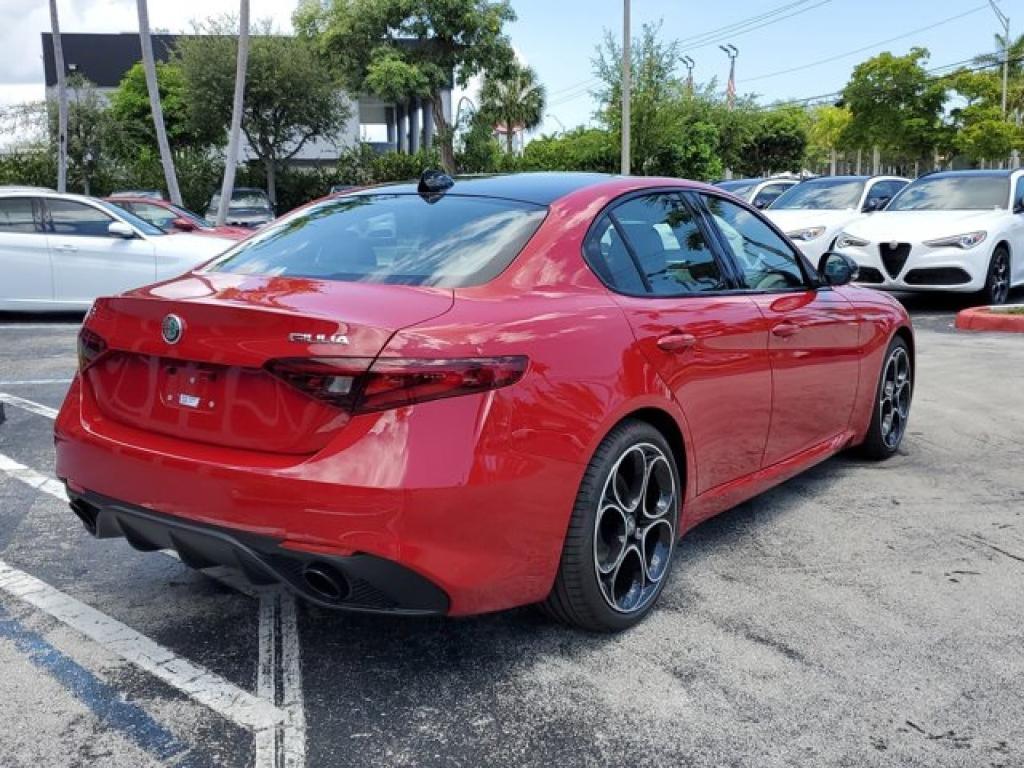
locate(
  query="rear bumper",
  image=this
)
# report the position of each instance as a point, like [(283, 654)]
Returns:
[(360, 582)]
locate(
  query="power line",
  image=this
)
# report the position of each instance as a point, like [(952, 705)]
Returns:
[(707, 42), (864, 48)]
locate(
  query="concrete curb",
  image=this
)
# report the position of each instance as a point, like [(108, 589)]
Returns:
[(991, 319)]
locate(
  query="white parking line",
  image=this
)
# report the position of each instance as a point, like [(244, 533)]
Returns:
[(33, 382), (29, 405), (29, 476), (210, 690), (38, 326)]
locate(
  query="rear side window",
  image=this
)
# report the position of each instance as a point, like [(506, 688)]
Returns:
[(451, 242), (16, 215)]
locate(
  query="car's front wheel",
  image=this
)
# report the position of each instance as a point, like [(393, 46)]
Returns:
[(622, 532), (997, 283), (892, 403)]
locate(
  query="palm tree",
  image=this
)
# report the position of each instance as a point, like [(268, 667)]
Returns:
[(62, 101), (995, 59), (149, 64), (514, 99), (234, 138)]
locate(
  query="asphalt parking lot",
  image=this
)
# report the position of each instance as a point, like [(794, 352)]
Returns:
[(859, 615)]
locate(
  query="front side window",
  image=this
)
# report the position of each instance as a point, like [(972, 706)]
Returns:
[(967, 192), (16, 215), (68, 217), (390, 238), (669, 245), (766, 261), (823, 194), (769, 194)]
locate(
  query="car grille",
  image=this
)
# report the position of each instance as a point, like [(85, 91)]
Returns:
[(869, 275), (937, 276), (894, 256)]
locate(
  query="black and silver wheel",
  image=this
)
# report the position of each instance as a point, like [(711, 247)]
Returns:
[(892, 402), (997, 283), (622, 532)]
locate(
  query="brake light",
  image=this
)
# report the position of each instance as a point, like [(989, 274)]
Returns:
[(395, 382), (90, 346)]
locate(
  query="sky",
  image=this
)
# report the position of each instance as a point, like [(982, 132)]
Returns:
[(808, 49)]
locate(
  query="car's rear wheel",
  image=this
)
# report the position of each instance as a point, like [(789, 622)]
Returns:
[(622, 532), (892, 403), (997, 283)]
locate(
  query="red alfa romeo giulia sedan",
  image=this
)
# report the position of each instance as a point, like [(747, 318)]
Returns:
[(460, 396)]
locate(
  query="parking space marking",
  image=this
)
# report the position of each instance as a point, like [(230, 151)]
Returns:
[(210, 690), (33, 382), (39, 326), (28, 405), (30, 477)]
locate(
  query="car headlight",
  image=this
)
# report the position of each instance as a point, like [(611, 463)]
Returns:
[(809, 233), (965, 241), (846, 240)]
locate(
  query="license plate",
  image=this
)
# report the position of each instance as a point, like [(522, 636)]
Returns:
[(189, 401)]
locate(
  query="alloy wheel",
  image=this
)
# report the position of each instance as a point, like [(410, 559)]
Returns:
[(635, 528), (1000, 279), (894, 400)]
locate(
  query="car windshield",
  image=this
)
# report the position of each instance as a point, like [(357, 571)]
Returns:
[(822, 194), (953, 193), (243, 198), (404, 239), (140, 224), (740, 188)]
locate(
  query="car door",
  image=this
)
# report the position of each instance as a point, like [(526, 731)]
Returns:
[(27, 280), (707, 343), (87, 260), (814, 332)]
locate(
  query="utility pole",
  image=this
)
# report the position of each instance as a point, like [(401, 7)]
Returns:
[(626, 85), (689, 64), (1005, 21), (227, 188), (62, 101), (730, 89)]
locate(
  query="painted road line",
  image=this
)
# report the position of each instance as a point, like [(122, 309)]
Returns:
[(30, 477), (33, 382), (266, 741), (38, 326), (212, 691), (28, 405), (292, 699), (279, 679)]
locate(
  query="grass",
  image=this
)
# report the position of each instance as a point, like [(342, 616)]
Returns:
[(1011, 311)]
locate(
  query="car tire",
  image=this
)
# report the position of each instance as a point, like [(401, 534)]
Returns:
[(893, 395), (622, 533), (997, 280)]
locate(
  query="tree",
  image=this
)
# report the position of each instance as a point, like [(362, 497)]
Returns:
[(400, 49), (480, 152), (895, 105), (235, 132), (829, 125), (978, 129), (62, 101), (778, 142), (291, 98), (149, 64), (88, 131), (512, 97)]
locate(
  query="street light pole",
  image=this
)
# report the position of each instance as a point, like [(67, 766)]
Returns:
[(1005, 21), (626, 85)]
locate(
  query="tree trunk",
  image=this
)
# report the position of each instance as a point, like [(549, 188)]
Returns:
[(445, 134), (508, 138), (62, 101), (832, 161), (270, 163), (860, 153), (234, 137), (149, 64)]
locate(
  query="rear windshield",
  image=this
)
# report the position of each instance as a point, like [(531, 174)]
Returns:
[(404, 239), (953, 193), (821, 194)]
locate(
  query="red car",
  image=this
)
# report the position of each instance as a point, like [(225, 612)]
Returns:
[(172, 218), (463, 396)]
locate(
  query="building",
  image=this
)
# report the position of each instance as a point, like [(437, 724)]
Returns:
[(104, 59)]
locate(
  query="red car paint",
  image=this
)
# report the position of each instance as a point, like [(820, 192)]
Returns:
[(471, 492), (231, 233)]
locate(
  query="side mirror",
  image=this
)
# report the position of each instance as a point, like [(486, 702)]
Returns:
[(837, 269), (183, 224), (120, 229)]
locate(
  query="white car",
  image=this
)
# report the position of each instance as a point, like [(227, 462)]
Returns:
[(62, 251), (760, 193), (960, 231), (813, 212)]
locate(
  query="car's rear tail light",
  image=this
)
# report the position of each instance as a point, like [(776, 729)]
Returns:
[(394, 382), (90, 346)]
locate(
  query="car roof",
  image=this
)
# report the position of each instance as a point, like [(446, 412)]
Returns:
[(996, 172), (540, 188)]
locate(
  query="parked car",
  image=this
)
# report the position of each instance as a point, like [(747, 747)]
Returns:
[(958, 231), (761, 192), (526, 393), (149, 194), (248, 208), (62, 251), (814, 212), (172, 218)]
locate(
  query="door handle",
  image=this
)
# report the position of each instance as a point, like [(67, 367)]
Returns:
[(785, 330), (676, 342)]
